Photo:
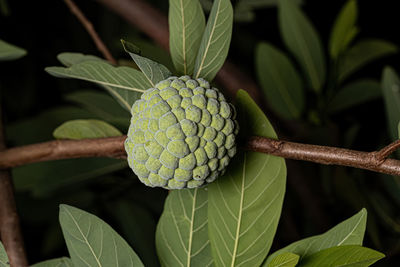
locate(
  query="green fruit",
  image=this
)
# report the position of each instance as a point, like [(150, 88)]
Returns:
[(182, 134)]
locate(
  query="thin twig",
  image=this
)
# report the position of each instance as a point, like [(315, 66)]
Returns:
[(385, 152), (10, 231), (90, 29), (113, 147)]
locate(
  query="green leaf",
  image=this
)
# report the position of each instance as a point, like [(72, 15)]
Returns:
[(123, 83), (181, 237), (303, 41), (215, 41), (245, 204), (344, 30), (391, 95), (350, 256), (280, 81), (362, 53), (10, 52), (355, 93), (3, 257), (68, 58), (44, 178), (186, 26), (348, 232), (153, 71), (60, 262), (92, 242), (286, 259), (81, 129), (101, 105)]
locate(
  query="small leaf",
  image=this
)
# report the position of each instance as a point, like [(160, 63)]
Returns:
[(3, 257), (92, 242), (81, 129), (186, 26), (362, 53), (303, 41), (280, 81), (355, 93), (60, 262), (343, 256), (348, 232), (344, 29), (182, 232), (153, 71), (215, 41), (101, 105), (286, 259), (391, 95), (68, 58), (123, 83), (245, 204), (10, 52)]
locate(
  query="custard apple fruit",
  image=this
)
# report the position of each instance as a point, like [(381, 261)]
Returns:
[(182, 134)]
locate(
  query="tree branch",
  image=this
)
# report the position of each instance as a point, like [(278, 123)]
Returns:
[(90, 29), (10, 231), (114, 147)]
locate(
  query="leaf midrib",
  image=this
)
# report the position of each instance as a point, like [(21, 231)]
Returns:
[(183, 38), (189, 256)]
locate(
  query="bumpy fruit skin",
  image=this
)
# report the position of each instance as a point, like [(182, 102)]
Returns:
[(182, 134)]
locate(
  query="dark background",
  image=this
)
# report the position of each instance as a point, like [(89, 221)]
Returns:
[(314, 202)]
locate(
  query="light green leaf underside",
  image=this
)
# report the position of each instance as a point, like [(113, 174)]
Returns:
[(362, 53), (80, 129), (153, 71), (355, 93), (92, 242), (391, 95), (123, 83), (182, 231), (3, 257), (245, 204), (348, 232), (303, 41), (215, 42), (10, 52), (280, 81), (349, 256), (61, 262), (69, 58), (186, 27), (344, 29), (286, 259)]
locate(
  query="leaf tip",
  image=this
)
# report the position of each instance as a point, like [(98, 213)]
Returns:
[(130, 48)]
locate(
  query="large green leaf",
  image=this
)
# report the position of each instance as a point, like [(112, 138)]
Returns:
[(68, 58), (101, 105), (344, 30), (124, 83), (92, 242), (355, 93), (245, 204), (286, 259), (302, 40), (215, 41), (349, 256), (60, 262), (362, 53), (348, 232), (182, 238), (10, 52), (280, 81), (391, 95), (3, 257), (153, 71), (186, 26), (81, 129)]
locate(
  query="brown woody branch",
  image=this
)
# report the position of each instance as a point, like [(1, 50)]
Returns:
[(10, 231), (90, 29), (113, 147)]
